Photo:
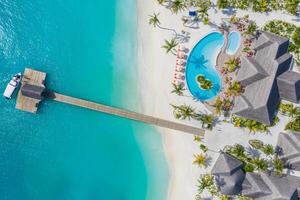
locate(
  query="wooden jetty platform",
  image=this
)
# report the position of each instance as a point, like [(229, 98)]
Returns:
[(33, 90), (125, 113), (32, 87)]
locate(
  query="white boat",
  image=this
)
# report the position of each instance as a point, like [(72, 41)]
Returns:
[(12, 85)]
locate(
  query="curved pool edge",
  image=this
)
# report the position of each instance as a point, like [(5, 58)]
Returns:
[(231, 52), (214, 68)]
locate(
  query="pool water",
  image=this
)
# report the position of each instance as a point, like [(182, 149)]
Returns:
[(234, 42), (202, 61)]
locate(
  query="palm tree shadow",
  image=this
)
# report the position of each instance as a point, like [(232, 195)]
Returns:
[(199, 61), (253, 152), (296, 19), (229, 11), (208, 161)]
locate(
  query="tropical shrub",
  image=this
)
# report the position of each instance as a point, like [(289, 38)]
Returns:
[(252, 162), (287, 30), (204, 83)]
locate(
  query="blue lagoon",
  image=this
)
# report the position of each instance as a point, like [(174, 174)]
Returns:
[(65, 152)]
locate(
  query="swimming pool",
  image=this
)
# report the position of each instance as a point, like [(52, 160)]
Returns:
[(234, 41), (202, 61)]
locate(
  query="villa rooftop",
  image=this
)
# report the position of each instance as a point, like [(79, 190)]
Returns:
[(265, 77), (259, 186)]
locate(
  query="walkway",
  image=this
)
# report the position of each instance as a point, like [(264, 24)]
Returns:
[(125, 113)]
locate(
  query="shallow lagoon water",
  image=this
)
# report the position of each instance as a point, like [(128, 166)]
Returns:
[(66, 152)]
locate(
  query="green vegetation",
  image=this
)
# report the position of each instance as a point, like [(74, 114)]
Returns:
[(290, 6), (267, 159), (178, 89), (204, 83), (234, 89), (207, 182), (185, 112), (200, 160), (287, 30), (153, 19), (231, 65), (223, 105), (252, 125), (170, 45), (293, 112)]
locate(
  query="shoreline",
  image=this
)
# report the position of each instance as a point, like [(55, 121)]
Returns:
[(155, 72), (155, 69)]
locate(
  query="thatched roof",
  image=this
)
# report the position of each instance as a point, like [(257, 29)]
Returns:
[(289, 86), (289, 143), (229, 174), (258, 75), (264, 186)]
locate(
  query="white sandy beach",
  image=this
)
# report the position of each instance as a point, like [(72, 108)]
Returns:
[(155, 73)]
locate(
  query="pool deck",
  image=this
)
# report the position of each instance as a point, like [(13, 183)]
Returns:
[(31, 77)]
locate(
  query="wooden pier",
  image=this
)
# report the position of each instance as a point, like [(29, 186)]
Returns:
[(28, 99)]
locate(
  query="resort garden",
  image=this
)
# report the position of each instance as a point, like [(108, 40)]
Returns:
[(290, 6), (259, 157), (287, 30)]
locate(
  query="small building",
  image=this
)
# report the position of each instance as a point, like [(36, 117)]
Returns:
[(269, 187), (229, 175), (33, 91), (265, 78), (289, 86), (231, 180), (289, 144)]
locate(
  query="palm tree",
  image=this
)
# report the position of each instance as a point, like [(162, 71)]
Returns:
[(293, 125), (200, 160), (294, 112), (218, 105), (178, 89), (235, 89), (260, 164), (227, 104), (268, 150), (278, 166), (170, 45), (285, 108), (161, 2), (183, 112), (178, 5), (232, 64), (237, 151), (153, 20), (207, 120), (205, 181), (251, 29), (256, 144)]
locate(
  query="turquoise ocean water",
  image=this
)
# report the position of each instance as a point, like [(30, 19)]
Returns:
[(68, 153)]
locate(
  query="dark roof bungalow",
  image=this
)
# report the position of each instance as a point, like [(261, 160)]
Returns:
[(229, 174), (232, 180), (33, 91), (289, 144), (266, 78)]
